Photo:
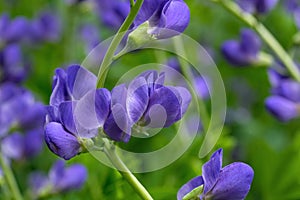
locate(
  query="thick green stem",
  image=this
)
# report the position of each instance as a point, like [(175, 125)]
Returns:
[(264, 33), (10, 179), (108, 58), (111, 154)]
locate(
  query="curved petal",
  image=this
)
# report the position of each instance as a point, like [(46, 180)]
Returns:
[(234, 182), (137, 98), (290, 89), (168, 100), (185, 99), (117, 125), (176, 15), (59, 92), (211, 170), (119, 95), (250, 42), (93, 109), (282, 108), (80, 81), (61, 142), (189, 186), (66, 110)]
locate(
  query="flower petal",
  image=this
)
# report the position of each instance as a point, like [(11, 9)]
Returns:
[(290, 89), (80, 81), (117, 125), (189, 186), (250, 42), (282, 108), (67, 118), (12, 146), (211, 170), (232, 53), (137, 98), (61, 142), (234, 182), (59, 92)]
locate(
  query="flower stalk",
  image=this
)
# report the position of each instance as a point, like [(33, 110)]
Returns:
[(111, 154), (10, 179), (108, 58), (264, 33)]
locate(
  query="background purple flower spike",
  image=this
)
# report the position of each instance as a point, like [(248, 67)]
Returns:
[(244, 52), (230, 182), (257, 6)]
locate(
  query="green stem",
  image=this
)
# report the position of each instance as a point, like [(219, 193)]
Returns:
[(189, 75), (108, 58), (264, 33), (111, 154), (10, 179)]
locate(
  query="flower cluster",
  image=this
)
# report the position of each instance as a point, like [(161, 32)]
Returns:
[(230, 182), (59, 179), (77, 110), (14, 102), (285, 100)]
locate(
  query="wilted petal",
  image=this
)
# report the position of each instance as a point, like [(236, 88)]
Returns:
[(282, 108), (117, 125), (80, 81), (211, 170), (61, 142), (234, 182), (189, 186), (137, 98)]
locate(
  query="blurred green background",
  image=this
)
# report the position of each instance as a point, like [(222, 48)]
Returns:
[(250, 135)]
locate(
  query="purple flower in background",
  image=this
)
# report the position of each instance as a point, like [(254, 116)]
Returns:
[(244, 52), (60, 179), (68, 118), (15, 30), (257, 6), (13, 68), (112, 12), (230, 182), (46, 27), (293, 7), (90, 35), (284, 103), (166, 18)]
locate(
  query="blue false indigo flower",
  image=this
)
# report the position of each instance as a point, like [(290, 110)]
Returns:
[(90, 35), (257, 6), (13, 31), (230, 182), (166, 18), (46, 27), (244, 52), (76, 111), (284, 103), (60, 179), (112, 12), (13, 68), (151, 103)]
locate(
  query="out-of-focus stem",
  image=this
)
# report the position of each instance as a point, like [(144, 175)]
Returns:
[(264, 33), (108, 58), (10, 179)]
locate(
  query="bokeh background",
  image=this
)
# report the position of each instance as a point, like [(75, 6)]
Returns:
[(250, 135)]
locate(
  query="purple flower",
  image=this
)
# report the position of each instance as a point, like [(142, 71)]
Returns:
[(285, 100), (112, 12), (13, 68), (90, 35), (257, 6), (230, 182), (166, 18), (60, 179), (74, 107), (244, 52), (13, 30), (46, 27)]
